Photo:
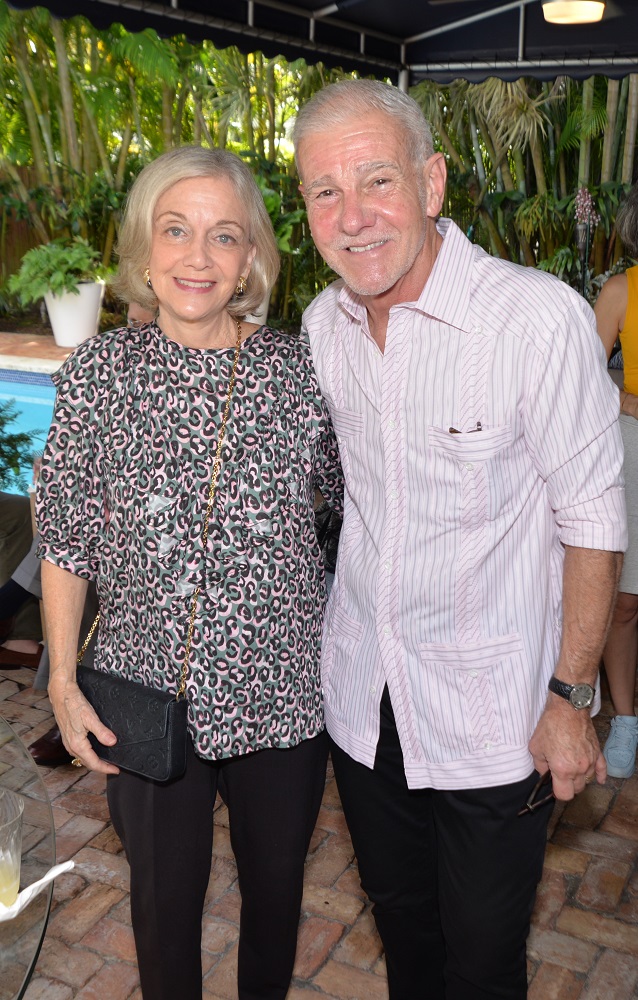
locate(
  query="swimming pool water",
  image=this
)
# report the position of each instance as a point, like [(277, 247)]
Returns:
[(33, 395)]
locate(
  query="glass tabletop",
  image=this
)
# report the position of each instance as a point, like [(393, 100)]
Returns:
[(20, 939)]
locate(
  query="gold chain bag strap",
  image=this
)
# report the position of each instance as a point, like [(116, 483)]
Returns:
[(150, 725)]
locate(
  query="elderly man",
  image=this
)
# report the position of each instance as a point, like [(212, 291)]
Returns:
[(480, 551)]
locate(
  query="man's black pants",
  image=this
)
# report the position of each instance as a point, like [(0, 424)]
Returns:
[(273, 798), (452, 875)]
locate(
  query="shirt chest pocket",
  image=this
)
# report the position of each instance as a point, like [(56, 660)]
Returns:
[(468, 475), (348, 426)]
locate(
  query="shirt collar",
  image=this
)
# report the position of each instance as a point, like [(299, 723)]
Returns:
[(451, 273)]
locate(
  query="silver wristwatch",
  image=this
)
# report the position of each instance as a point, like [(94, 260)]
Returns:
[(578, 695)]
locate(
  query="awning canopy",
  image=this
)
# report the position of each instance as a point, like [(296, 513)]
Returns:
[(406, 40)]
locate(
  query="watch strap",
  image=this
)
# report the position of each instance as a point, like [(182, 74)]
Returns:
[(560, 688)]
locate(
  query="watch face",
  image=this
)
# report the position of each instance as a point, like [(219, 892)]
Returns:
[(581, 695)]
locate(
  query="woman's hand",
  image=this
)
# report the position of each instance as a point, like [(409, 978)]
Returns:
[(64, 595), (76, 717)]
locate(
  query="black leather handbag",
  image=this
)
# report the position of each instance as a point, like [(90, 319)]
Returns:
[(150, 725)]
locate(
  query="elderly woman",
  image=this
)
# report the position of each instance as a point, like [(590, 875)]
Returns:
[(123, 499)]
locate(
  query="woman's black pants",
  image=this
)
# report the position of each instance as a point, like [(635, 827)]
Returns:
[(452, 875), (273, 798)]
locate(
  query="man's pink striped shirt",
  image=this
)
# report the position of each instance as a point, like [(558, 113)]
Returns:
[(480, 442)]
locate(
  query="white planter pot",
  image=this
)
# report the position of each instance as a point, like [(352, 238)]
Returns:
[(75, 318)]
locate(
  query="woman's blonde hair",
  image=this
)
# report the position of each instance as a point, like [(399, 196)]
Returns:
[(134, 243)]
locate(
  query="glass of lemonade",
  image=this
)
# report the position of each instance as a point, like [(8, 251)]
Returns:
[(11, 809)]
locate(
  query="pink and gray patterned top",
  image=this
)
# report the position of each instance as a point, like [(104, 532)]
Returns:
[(122, 499)]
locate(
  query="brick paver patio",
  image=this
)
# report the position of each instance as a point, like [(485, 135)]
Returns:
[(583, 944)]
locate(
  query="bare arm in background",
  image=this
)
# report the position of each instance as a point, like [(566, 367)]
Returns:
[(610, 310)]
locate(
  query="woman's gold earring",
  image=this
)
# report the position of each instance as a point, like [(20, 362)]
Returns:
[(147, 278), (241, 287)]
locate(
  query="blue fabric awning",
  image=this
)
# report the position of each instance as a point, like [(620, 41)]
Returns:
[(405, 40)]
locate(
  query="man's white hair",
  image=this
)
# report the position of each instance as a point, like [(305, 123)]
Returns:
[(341, 102)]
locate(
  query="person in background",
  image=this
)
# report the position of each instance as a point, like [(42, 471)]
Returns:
[(20, 623), (481, 545), (616, 310), (18, 591), (122, 500)]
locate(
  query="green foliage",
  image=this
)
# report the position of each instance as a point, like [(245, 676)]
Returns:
[(538, 214), (79, 121), (15, 450), (579, 125), (54, 267), (564, 263), (279, 198)]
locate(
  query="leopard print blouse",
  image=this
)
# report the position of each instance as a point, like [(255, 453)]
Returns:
[(122, 499)]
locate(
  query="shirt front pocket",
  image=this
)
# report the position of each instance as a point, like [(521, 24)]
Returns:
[(473, 697), (342, 635), (348, 427), (469, 476)]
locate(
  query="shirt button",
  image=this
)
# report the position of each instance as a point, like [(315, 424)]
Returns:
[(478, 329), (487, 745), (392, 423), (473, 673), (373, 690), (469, 465), (387, 630), (388, 564), (394, 494)]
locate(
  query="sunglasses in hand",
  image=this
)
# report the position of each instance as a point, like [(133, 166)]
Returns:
[(540, 795)]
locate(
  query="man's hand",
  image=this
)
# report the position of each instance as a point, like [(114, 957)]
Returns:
[(565, 742)]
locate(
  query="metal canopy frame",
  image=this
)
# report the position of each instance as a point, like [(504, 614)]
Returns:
[(405, 40)]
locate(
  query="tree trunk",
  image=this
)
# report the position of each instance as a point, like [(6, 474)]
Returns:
[(630, 131), (476, 145), (248, 111), (167, 117), (606, 170), (607, 165), (179, 115), (551, 145), (539, 165), (584, 159), (23, 194), (620, 127), (519, 164), (105, 163), (45, 164), (137, 118), (201, 121), (271, 103), (66, 93)]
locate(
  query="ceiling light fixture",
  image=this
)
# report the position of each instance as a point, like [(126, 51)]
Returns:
[(573, 11)]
